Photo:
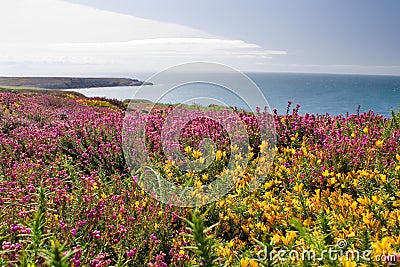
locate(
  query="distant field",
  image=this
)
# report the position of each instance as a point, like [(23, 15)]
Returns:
[(67, 82)]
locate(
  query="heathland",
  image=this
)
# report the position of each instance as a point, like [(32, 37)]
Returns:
[(68, 197)]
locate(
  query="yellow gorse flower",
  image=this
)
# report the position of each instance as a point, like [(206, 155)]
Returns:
[(196, 154), (198, 184), (379, 143), (248, 263), (218, 155), (396, 203)]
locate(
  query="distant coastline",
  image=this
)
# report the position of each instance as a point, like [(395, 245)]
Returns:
[(69, 82)]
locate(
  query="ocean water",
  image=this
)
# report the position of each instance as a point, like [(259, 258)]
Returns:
[(315, 93)]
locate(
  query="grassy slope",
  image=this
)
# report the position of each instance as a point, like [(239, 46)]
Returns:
[(35, 90)]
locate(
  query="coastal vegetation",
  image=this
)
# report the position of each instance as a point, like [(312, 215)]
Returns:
[(68, 197)]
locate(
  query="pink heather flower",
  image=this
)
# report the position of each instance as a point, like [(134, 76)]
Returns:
[(62, 225), (22, 214), (131, 252), (76, 262), (175, 216), (6, 245), (16, 227), (122, 229), (96, 234)]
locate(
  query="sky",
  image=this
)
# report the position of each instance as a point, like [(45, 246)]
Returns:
[(80, 37)]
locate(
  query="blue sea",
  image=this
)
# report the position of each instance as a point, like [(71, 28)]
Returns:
[(315, 93)]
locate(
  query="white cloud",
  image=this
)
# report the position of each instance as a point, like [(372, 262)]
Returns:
[(57, 21), (124, 52), (58, 32)]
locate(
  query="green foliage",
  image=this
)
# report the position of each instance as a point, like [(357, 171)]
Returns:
[(56, 256), (39, 249), (37, 237), (393, 124), (204, 244), (318, 244)]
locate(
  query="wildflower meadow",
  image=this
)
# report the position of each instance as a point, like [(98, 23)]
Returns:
[(70, 197)]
